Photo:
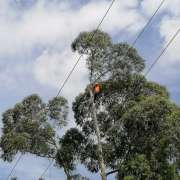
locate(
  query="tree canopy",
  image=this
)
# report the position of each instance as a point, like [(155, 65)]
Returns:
[(132, 127)]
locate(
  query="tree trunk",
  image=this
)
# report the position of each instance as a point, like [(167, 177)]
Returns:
[(112, 172), (99, 145), (68, 175)]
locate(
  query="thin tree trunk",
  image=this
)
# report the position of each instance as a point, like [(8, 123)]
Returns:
[(112, 172), (68, 175), (99, 145)]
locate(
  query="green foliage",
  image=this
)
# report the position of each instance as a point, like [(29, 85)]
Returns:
[(129, 178), (119, 60), (152, 88), (84, 43), (70, 148), (79, 177), (137, 168), (117, 97), (146, 120), (26, 127), (58, 110), (144, 131), (173, 127)]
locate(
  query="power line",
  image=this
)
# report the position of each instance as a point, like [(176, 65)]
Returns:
[(90, 39), (149, 21), (162, 52), (14, 166), (72, 70), (44, 172)]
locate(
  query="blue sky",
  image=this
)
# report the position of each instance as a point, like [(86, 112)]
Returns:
[(35, 55)]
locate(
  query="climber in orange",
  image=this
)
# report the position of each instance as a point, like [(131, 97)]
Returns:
[(96, 90)]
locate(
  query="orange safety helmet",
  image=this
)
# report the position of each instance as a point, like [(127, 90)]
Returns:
[(97, 88)]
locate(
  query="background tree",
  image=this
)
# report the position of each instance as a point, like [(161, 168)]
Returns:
[(30, 126), (68, 153), (145, 131), (27, 126)]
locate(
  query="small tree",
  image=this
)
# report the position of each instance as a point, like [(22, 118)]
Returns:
[(69, 151), (28, 127), (144, 135)]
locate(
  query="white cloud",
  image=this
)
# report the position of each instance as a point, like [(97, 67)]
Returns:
[(170, 6), (168, 27), (149, 6), (45, 25), (170, 20), (53, 67), (173, 7), (12, 74), (57, 29), (54, 27), (166, 69)]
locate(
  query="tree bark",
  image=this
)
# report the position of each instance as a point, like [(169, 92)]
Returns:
[(99, 145), (68, 175), (112, 172)]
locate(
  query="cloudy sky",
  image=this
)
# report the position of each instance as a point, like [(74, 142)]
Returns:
[(35, 54)]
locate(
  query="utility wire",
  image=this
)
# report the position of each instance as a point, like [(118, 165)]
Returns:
[(162, 52), (44, 172), (149, 21), (90, 39), (72, 70), (18, 160), (158, 57)]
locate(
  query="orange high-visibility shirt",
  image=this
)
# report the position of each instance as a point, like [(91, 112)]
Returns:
[(97, 88)]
